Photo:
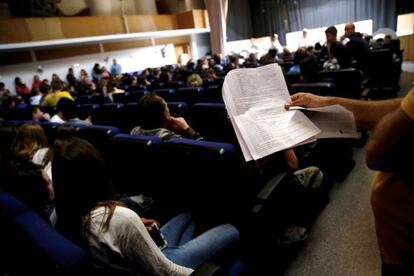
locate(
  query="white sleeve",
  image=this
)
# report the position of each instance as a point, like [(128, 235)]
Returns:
[(137, 246)]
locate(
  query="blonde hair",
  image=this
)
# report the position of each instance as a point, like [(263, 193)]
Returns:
[(194, 80), (29, 139)]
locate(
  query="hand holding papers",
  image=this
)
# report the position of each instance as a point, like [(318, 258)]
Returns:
[(255, 100)]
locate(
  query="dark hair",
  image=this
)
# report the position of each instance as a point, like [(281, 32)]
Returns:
[(272, 52), (57, 85), (331, 30), (44, 88), (67, 107), (300, 54), (151, 111), (2, 85), (342, 54), (17, 81), (309, 68), (81, 183)]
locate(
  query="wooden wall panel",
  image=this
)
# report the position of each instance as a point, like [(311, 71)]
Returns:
[(64, 52), (407, 43), (148, 23), (116, 46), (11, 58), (185, 20), (44, 28), (13, 30), (199, 19), (91, 25)]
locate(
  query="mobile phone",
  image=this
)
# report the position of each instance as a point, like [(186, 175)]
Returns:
[(158, 237)]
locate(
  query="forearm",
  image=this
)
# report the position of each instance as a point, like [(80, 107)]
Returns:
[(367, 113), (390, 145)]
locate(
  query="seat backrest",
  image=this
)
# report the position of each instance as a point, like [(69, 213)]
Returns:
[(212, 122), (98, 136), (203, 176), (85, 110), (11, 206), (212, 94), (318, 88), (134, 160), (174, 84), (168, 94), (190, 95), (134, 96), (109, 114), (119, 97), (178, 109), (347, 81), (130, 117)]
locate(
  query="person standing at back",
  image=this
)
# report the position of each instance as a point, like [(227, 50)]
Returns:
[(116, 68)]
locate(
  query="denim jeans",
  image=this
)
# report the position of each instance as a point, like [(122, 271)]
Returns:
[(189, 251)]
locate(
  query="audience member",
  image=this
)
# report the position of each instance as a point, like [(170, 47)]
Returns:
[(194, 80), (116, 68), (4, 92), (36, 82), (21, 88), (156, 120), (56, 81), (304, 41), (70, 77), (300, 54), (117, 237), (96, 73), (359, 47), (39, 116), (66, 113), (36, 98), (51, 99), (270, 57)]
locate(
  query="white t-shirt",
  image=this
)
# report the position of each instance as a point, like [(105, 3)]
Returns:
[(126, 245), (38, 160), (57, 119)]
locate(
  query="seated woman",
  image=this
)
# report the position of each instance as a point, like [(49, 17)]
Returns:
[(156, 119), (117, 237)]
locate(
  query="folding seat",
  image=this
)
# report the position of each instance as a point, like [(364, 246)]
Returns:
[(212, 94), (178, 109), (212, 122), (134, 96), (99, 99), (318, 88), (98, 136), (348, 81), (84, 99), (50, 130), (135, 163), (135, 88), (18, 114), (168, 94), (85, 110), (155, 85), (120, 97), (293, 78), (130, 117), (108, 114), (173, 85), (190, 95), (30, 245)]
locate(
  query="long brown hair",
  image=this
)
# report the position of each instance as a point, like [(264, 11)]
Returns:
[(81, 184), (29, 139)]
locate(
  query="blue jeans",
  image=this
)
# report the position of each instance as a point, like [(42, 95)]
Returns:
[(189, 251)]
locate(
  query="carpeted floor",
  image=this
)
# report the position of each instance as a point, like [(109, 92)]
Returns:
[(343, 240)]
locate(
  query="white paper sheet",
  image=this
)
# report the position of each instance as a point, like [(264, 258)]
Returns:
[(255, 100)]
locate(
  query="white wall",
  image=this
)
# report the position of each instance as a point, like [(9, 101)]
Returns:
[(130, 60)]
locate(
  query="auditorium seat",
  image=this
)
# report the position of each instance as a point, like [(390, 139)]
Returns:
[(173, 85), (168, 94), (178, 109), (98, 135), (293, 78), (318, 88), (134, 96), (348, 81), (135, 88), (190, 95), (130, 117), (85, 110), (204, 177), (212, 94), (212, 122), (155, 85), (50, 130), (135, 162), (120, 97), (109, 114), (286, 65)]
